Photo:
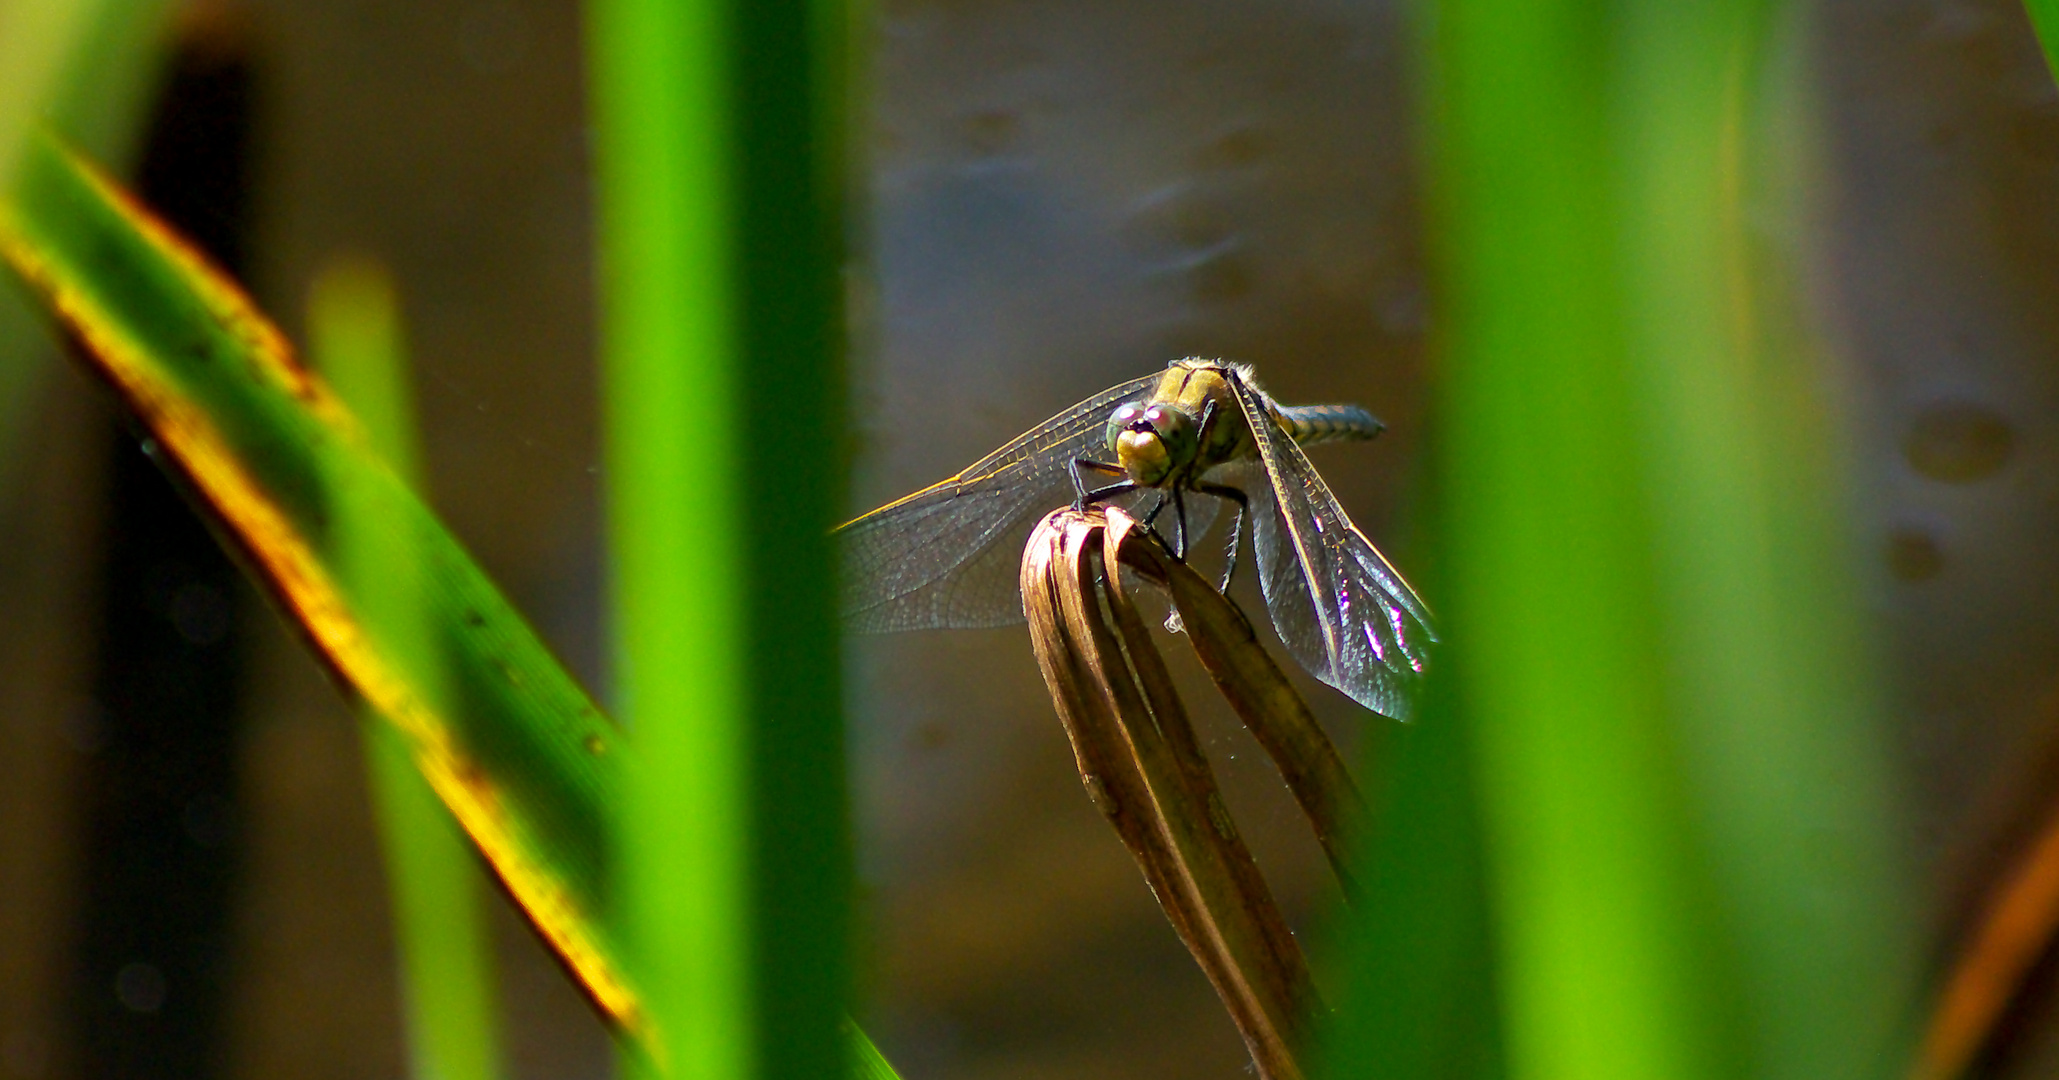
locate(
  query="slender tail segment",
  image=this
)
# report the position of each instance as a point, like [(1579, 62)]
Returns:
[(1311, 424)]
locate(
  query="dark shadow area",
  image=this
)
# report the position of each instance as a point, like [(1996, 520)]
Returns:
[(150, 968)]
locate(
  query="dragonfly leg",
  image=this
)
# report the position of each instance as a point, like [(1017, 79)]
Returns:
[(1082, 498), (1179, 506), (1243, 501), (1157, 508), (1179, 488)]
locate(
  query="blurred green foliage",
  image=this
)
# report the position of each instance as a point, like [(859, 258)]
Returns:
[(1644, 828), (402, 615), (508, 740), (448, 982), (85, 68), (1657, 669), (720, 186)]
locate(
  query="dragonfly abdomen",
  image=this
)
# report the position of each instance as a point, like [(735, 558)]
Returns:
[(1328, 423)]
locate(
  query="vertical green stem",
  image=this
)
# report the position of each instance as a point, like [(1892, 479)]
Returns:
[(446, 954), (1551, 610), (1774, 698), (720, 250), (1650, 603), (672, 415)]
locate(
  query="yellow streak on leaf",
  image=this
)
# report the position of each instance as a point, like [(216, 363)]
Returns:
[(299, 578), (231, 307)]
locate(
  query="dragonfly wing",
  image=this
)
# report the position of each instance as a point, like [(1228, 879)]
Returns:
[(1341, 609), (947, 556)]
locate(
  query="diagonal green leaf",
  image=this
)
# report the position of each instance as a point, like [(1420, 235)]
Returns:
[(505, 738), (866, 1063), (87, 67)]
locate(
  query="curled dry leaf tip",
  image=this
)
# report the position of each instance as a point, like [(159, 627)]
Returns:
[(1144, 769)]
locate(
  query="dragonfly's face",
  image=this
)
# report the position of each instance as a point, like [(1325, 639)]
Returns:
[(1151, 442)]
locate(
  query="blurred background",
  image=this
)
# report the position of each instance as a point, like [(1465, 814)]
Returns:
[(1058, 196)]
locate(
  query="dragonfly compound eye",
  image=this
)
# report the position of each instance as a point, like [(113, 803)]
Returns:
[(1175, 426), (1122, 420), (1151, 441)]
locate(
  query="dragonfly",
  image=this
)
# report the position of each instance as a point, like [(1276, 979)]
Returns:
[(1191, 439)]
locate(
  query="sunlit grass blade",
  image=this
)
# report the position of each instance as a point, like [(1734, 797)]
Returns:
[(1772, 689), (1551, 608), (446, 955), (719, 183), (1651, 602), (87, 70), (511, 745), (866, 1063)]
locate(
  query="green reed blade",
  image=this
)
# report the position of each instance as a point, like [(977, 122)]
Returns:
[(1774, 696), (447, 969), (866, 1062), (86, 69), (719, 184), (1551, 611), (508, 741), (1652, 620)]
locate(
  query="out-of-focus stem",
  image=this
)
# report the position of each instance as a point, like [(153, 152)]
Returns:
[(446, 955)]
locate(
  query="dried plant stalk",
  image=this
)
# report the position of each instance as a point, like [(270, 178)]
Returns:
[(1145, 770), (2015, 928), (1258, 690)]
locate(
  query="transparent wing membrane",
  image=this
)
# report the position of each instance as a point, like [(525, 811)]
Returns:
[(1343, 612), (947, 556)]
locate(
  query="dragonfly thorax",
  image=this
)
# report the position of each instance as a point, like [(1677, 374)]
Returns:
[(1152, 442)]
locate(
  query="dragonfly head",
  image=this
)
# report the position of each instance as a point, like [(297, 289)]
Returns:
[(1152, 441)]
